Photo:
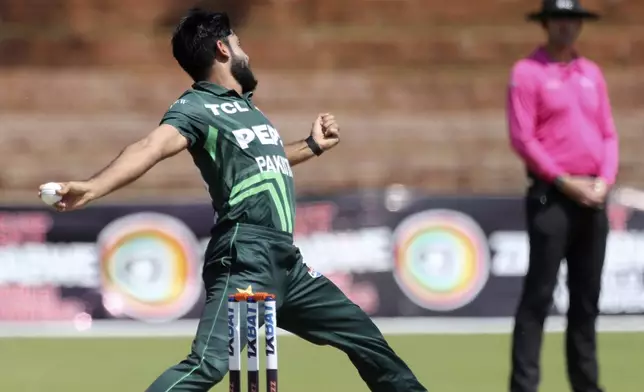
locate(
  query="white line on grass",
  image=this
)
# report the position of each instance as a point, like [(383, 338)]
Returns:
[(389, 326)]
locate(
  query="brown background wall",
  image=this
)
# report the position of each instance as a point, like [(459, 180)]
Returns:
[(418, 85)]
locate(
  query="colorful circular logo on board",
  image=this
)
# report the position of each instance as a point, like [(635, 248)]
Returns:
[(150, 266), (442, 259)]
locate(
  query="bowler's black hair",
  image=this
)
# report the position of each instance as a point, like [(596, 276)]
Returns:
[(194, 42)]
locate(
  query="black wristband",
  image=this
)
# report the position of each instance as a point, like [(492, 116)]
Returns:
[(314, 146)]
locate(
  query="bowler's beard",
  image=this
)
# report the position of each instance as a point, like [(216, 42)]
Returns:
[(243, 75)]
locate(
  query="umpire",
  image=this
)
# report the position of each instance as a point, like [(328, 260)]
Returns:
[(561, 126)]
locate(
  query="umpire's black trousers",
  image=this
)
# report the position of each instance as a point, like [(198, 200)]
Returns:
[(559, 228)]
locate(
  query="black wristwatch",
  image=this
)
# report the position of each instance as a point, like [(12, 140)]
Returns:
[(314, 146)]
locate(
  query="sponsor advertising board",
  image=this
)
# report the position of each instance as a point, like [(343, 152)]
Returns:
[(393, 252)]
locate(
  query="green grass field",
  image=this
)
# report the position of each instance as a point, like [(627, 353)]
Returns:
[(445, 363)]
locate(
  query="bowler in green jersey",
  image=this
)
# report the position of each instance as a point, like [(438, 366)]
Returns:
[(247, 171)]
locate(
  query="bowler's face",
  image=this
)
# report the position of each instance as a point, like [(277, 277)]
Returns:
[(563, 32)]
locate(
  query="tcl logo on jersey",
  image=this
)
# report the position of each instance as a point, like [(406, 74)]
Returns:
[(227, 108), (265, 134)]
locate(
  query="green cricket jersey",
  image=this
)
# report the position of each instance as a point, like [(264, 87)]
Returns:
[(240, 156)]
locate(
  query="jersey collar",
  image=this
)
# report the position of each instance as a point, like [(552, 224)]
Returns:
[(219, 90)]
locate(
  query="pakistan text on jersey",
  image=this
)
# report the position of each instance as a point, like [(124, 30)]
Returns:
[(274, 164)]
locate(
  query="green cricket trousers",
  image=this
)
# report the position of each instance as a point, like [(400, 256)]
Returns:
[(308, 305)]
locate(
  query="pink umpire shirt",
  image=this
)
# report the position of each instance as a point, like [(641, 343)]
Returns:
[(560, 118)]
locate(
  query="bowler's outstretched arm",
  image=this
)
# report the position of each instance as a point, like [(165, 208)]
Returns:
[(133, 161), (136, 159)]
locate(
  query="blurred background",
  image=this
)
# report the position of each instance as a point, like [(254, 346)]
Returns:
[(417, 215)]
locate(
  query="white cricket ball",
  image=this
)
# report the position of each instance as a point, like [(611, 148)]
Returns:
[(48, 193)]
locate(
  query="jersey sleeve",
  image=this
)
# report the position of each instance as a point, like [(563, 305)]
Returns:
[(187, 120)]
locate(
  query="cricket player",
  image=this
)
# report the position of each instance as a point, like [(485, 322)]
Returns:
[(247, 171)]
